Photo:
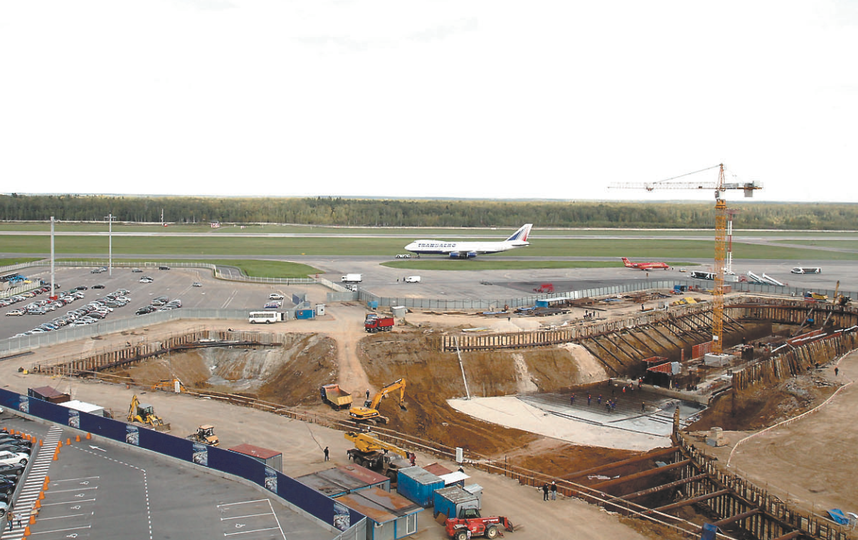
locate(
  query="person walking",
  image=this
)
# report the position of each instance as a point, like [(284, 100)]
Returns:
[(836, 371), (553, 491), (327, 454), (367, 395), (572, 400), (599, 399), (588, 399), (10, 515), (544, 492)]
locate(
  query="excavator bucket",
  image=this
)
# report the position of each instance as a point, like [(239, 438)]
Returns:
[(402, 406)]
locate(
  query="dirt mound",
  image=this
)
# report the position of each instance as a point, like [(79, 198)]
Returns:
[(765, 404), (289, 374)]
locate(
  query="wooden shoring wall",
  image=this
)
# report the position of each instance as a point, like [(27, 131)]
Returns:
[(774, 518)]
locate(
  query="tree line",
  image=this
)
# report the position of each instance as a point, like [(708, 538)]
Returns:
[(425, 213)]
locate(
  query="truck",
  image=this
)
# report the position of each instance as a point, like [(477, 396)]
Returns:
[(378, 324), (377, 455), (351, 278), (337, 398), (412, 279)]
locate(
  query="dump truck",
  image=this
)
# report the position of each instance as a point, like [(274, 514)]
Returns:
[(145, 414), (377, 455), (470, 520), (378, 324), (205, 435), (337, 398), (369, 411)]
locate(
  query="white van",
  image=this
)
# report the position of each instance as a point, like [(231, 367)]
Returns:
[(412, 279)]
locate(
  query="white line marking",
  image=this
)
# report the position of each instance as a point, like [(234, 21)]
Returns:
[(253, 531), (243, 502), (243, 517)]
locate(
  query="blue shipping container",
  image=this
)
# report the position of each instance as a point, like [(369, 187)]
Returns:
[(305, 314), (418, 485), (372, 304)]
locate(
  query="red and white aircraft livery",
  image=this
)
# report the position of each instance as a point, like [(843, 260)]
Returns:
[(646, 265)]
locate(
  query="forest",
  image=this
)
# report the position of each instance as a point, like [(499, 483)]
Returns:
[(425, 212)]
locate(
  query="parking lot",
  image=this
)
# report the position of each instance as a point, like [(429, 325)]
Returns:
[(168, 289), (101, 489)]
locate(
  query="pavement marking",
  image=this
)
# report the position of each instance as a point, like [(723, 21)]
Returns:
[(35, 480), (240, 528), (252, 531)]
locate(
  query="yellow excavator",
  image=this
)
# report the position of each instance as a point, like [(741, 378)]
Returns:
[(369, 412), (377, 455), (145, 414), (170, 385)]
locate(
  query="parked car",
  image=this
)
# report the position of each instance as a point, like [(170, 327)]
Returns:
[(275, 296), (9, 458), (145, 279), (98, 286), (15, 313), (196, 284), (163, 267), (137, 270), (99, 270)]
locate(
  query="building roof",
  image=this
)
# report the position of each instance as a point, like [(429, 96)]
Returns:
[(437, 469), (255, 451), (362, 473), (47, 392)]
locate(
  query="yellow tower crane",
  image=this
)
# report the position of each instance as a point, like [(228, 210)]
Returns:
[(719, 186)]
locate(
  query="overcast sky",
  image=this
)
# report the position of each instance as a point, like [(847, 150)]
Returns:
[(411, 98)]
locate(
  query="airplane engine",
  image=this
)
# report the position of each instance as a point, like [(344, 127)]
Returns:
[(472, 254)]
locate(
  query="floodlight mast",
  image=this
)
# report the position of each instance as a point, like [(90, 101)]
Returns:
[(719, 187)]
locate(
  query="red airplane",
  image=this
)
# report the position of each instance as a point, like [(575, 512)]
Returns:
[(646, 265)]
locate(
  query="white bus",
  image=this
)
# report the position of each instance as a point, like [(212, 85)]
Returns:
[(266, 317)]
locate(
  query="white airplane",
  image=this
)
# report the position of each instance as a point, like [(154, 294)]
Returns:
[(467, 250)]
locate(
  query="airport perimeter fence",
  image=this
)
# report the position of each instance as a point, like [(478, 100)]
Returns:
[(465, 304), (326, 512)]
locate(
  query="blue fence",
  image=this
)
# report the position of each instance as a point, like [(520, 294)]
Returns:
[(293, 492)]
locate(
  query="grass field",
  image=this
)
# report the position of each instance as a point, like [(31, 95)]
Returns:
[(484, 233)]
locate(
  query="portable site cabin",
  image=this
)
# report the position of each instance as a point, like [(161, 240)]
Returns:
[(270, 458), (47, 393), (339, 481), (418, 485), (367, 476), (390, 516), (83, 407), (450, 501)]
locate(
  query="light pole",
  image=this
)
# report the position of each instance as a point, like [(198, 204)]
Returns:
[(109, 218)]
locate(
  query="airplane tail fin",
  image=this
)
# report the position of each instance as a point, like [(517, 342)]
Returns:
[(627, 262), (520, 236)]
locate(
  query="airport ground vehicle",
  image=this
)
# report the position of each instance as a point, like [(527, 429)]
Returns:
[(145, 414), (205, 435), (266, 317), (375, 454), (403, 255), (412, 279), (351, 278), (369, 412), (470, 520), (338, 399), (374, 324)]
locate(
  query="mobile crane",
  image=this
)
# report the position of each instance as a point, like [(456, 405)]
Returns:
[(375, 454), (369, 412), (145, 414)]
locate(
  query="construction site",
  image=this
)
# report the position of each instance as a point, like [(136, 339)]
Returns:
[(622, 407)]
